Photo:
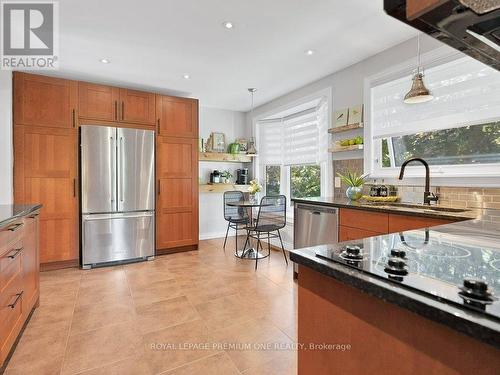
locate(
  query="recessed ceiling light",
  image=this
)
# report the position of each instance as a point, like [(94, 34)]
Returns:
[(186, 76), (228, 25), (105, 61), (310, 52)]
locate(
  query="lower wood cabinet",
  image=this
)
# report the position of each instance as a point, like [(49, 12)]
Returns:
[(19, 278), (358, 224), (177, 192)]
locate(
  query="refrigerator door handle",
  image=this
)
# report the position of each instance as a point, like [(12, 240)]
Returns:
[(112, 151), (121, 171), (97, 217)]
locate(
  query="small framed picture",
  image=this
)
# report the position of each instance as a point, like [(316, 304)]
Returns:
[(218, 142), (355, 115), (243, 145), (340, 117)]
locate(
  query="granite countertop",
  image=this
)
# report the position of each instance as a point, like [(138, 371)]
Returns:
[(439, 259), (398, 208), (10, 212)]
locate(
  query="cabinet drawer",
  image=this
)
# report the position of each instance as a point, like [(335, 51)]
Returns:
[(11, 233), (11, 301), (400, 223), (366, 220), (10, 263), (351, 234)]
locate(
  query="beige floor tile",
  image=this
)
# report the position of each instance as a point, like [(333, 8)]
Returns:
[(158, 315), (38, 356), (101, 347), (156, 291), (257, 342), (285, 363), (92, 316), (218, 364), (159, 346), (136, 365), (227, 311)]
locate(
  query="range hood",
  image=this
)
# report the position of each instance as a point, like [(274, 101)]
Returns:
[(471, 26)]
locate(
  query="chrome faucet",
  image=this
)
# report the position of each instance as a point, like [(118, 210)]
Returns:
[(428, 196)]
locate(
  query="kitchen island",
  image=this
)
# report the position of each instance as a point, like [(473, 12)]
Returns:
[(396, 302)]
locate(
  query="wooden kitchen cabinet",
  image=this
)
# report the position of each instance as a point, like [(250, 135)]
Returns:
[(177, 117), (356, 224), (19, 278), (45, 101), (177, 192), (45, 171), (98, 102), (350, 234), (137, 107), (400, 223), (416, 8)]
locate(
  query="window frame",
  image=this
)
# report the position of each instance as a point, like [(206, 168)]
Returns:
[(442, 175)]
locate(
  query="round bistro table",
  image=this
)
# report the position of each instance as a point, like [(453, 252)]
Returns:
[(251, 252)]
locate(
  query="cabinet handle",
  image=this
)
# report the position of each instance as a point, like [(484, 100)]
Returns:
[(116, 110), (159, 187), (74, 118), (123, 110), (74, 187), (18, 297), (158, 131), (15, 227), (15, 253)]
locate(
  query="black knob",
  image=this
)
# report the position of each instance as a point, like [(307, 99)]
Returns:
[(476, 286), (398, 253), (396, 263), (352, 250)]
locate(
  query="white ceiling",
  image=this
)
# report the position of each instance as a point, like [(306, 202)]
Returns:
[(152, 44)]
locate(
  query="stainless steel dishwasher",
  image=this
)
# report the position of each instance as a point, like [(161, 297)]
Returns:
[(314, 225)]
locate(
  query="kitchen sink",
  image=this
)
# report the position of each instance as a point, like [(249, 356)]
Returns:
[(417, 207)]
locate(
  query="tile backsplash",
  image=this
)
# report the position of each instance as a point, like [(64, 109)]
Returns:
[(460, 197)]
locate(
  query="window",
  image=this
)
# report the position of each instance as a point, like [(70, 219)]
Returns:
[(305, 181), (293, 152), (273, 179), (478, 144), (457, 133)]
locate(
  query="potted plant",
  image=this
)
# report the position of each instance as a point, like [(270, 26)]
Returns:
[(253, 189), (355, 183)]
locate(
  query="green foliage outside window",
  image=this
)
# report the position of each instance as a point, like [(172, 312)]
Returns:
[(305, 181)]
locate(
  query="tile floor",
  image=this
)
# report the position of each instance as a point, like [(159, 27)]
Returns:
[(203, 312)]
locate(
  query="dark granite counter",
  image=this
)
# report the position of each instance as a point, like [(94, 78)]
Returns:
[(437, 212), (11, 212), (438, 260)]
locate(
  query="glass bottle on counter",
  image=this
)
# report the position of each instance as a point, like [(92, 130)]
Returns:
[(374, 190), (383, 190)]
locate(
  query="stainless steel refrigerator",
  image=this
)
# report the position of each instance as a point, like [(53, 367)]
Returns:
[(117, 194)]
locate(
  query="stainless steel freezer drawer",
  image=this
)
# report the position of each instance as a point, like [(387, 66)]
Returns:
[(117, 237)]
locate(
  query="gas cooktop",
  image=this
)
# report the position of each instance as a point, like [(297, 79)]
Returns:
[(429, 263)]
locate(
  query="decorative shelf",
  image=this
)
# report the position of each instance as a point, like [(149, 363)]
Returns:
[(221, 188), (345, 128), (338, 148), (224, 157)]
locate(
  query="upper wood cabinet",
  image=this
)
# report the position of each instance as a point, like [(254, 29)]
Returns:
[(137, 107), (45, 101), (98, 102), (177, 117)]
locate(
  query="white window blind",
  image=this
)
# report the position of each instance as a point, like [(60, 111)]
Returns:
[(295, 139), (466, 92)]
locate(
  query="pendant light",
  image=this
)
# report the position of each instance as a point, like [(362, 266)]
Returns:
[(418, 92), (251, 143)]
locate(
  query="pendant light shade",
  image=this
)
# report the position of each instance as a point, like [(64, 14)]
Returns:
[(251, 144), (418, 92)]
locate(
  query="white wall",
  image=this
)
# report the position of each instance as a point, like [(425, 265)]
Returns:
[(6, 158), (232, 124)]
